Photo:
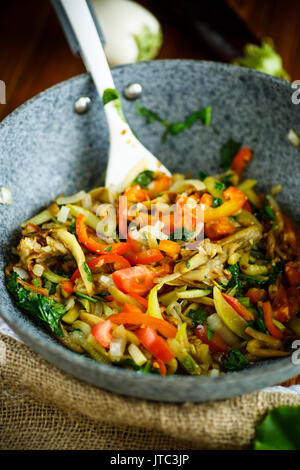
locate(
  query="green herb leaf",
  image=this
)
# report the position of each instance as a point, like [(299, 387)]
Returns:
[(202, 175), (217, 202), (235, 361), (144, 178), (110, 94), (72, 227), (41, 308), (279, 430), (109, 248), (88, 272), (198, 316), (175, 128), (181, 234), (220, 186), (227, 153)]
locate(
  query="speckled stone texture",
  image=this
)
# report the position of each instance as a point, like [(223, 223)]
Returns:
[(47, 149)]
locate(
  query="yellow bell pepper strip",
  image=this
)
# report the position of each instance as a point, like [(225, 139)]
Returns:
[(169, 247), (132, 315), (268, 314), (241, 160), (234, 201), (239, 308), (229, 316), (70, 242)]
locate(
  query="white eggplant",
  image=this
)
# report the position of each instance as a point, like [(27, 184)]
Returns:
[(131, 32)]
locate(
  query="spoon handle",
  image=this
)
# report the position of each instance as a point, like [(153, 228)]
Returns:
[(86, 32)]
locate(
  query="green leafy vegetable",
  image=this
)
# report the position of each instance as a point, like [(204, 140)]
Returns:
[(217, 202), (198, 316), (41, 308), (228, 152), (264, 59), (235, 361), (203, 115), (72, 227), (144, 178), (279, 430), (235, 285)]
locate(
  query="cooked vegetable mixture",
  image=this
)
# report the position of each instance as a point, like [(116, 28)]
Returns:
[(141, 279)]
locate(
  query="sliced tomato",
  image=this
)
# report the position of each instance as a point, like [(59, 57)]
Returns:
[(134, 316), (216, 343), (155, 344), (137, 280), (150, 256), (102, 333), (239, 308)]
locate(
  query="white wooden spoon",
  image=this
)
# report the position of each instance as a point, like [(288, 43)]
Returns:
[(127, 156)]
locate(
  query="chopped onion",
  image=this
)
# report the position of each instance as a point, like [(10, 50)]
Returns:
[(179, 186), (38, 270), (71, 199), (21, 272), (63, 214), (87, 201), (137, 355), (70, 303), (5, 196), (218, 326), (117, 348), (293, 138)]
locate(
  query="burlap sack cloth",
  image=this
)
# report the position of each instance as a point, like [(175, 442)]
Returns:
[(44, 408)]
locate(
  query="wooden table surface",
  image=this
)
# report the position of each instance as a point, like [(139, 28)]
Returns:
[(34, 54)]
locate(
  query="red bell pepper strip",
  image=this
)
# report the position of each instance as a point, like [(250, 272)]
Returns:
[(68, 286), (238, 307), (217, 229), (241, 160), (150, 256), (267, 309), (154, 343), (119, 263), (161, 366), (132, 315), (102, 333), (281, 306), (216, 343), (96, 246)]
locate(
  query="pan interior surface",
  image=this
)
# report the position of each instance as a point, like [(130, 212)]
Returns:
[(47, 149)]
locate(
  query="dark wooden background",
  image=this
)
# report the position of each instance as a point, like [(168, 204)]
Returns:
[(34, 53)]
